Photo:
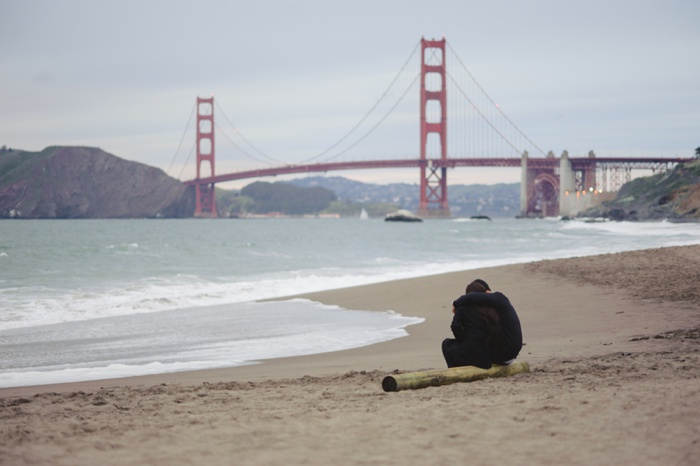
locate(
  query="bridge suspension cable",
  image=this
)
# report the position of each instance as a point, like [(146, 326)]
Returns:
[(245, 140), (189, 156), (384, 95), (376, 125), (481, 114), (491, 101), (476, 126), (179, 146), (237, 146)]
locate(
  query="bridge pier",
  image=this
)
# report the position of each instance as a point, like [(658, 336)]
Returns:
[(567, 184), (548, 190), (578, 188), (539, 190)]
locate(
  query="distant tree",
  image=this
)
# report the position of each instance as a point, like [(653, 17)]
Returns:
[(287, 198), (697, 152)]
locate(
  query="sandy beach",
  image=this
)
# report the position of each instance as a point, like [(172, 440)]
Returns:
[(613, 342)]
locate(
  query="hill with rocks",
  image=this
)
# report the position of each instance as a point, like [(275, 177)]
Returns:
[(85, 182), (673, 196)]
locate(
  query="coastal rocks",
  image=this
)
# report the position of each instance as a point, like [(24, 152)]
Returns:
[(402, 215), (673, 196)]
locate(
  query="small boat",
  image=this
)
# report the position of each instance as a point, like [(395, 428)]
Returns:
[(402, 215), (364, 215)]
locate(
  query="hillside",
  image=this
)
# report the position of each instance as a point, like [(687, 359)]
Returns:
[(83, 182), (673, 196), (500, 200)]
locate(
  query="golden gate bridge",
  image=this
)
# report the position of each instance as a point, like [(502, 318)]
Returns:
[(459, 125)]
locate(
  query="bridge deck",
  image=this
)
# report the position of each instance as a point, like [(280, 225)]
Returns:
[(577, 163)]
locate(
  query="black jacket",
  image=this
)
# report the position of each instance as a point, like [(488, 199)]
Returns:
[(470, 347), (512, 332)]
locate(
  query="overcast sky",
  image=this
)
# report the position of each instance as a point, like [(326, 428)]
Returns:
[(620, 77)]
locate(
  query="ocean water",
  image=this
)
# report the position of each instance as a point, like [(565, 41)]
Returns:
[(90, 299)]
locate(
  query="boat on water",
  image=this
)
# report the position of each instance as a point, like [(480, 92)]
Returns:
[(402, 215), (364, 215)]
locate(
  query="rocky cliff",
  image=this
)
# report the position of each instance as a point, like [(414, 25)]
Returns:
[(84, 182), (673, 196)]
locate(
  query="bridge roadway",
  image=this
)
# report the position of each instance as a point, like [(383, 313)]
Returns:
[(577, 163)]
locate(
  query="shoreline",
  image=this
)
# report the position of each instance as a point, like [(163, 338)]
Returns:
[(424, 345), (613, 342)]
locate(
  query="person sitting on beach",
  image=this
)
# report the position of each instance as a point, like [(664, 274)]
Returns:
[(511, 341), (477, 333)]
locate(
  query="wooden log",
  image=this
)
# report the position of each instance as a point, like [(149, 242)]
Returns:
[(416, 380)]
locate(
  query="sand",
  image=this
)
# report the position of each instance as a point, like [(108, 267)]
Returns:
[(613, 342)]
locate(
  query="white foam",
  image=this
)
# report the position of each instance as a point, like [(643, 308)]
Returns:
[(491, 244), (55, 306), (304, 327), (112, 371)]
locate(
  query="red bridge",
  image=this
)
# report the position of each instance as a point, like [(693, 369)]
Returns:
[(550, 186)]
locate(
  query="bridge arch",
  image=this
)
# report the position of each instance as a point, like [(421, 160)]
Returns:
[(543, 195)]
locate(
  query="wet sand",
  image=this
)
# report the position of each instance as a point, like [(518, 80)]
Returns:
[(613, 342)]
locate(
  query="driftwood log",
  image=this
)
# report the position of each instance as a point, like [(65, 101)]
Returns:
[(415, 380)]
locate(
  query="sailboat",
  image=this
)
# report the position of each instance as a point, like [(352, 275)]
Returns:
[(363, 214)]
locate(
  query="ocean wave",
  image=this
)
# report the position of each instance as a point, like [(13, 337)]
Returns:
[(193, 339), (66, 287)]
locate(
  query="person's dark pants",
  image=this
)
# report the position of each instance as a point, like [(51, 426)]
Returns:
[(447, 344), (461, 353)]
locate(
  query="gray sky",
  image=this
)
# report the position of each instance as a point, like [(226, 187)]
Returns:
[(621, 77)]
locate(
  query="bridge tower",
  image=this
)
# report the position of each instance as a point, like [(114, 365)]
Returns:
[(205, 202), (433, 180)]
